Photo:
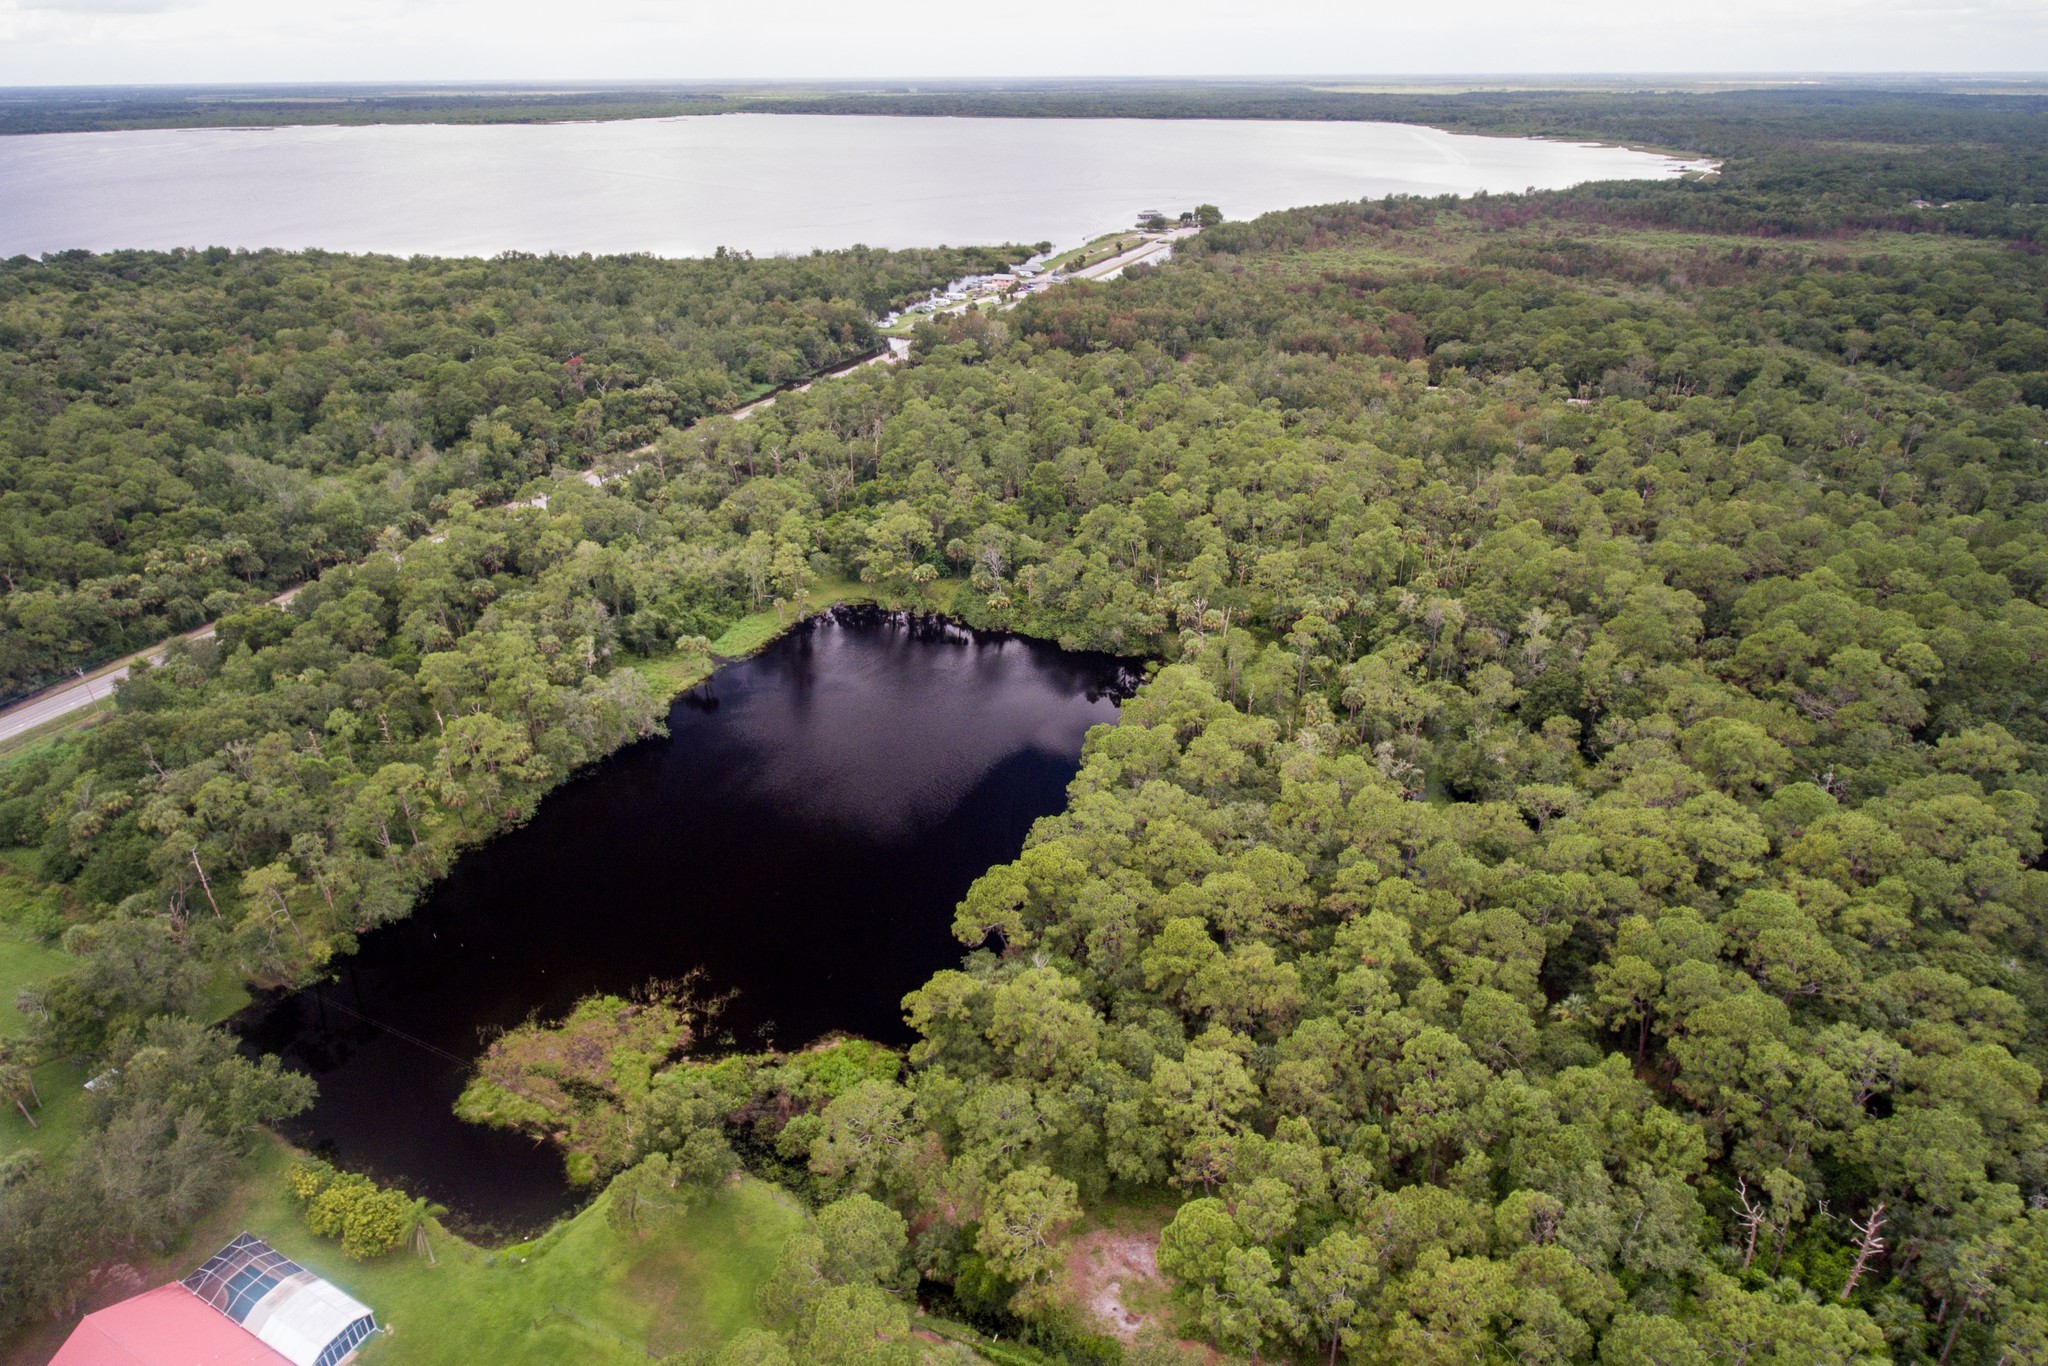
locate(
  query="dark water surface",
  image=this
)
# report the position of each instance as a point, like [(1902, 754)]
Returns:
[(802, 835)]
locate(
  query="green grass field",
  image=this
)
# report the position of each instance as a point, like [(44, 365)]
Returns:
[(27, 960), (674, 672), (582, 1293), (24, 962), (60, 1120), (31, 912), (29, 909), (1096, 251), (750, 633)]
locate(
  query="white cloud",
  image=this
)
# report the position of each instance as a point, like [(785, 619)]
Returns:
[(85, 41), (107, 6)]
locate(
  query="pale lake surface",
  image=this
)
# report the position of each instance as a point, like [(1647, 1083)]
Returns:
[(764, 183)]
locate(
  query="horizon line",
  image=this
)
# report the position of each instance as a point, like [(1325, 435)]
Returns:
[(929, 84)]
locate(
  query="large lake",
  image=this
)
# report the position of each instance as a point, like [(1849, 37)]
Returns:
[(763, 183), (802, 835)]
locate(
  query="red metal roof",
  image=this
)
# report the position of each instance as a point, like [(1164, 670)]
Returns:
[(167, 1326)]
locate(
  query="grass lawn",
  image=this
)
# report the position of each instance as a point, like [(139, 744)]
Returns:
[(750, 633), (59, 1122), (27, 960), (29, 909), (581, 1293), (1096, 251), (24, 962), (62, 1118), (674, 672)]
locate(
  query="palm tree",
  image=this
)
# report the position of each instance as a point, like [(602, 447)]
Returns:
[(17, 1081), (417, 1217)]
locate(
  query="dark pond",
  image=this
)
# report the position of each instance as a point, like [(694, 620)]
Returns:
[(802, 835)]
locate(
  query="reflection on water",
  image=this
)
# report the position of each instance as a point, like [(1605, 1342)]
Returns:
[(802, 835), (889, 738), (756, 182)]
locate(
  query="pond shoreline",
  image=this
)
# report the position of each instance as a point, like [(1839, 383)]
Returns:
[(803, 835)]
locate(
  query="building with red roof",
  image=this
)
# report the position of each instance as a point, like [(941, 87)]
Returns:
[(160, 1327), (249, 1305)]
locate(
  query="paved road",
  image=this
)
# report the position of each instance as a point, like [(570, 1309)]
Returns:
[(1144, 251), (96, 686), (895, 350)]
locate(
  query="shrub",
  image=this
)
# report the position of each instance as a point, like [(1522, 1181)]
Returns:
[(306, 1180), (367, 1220)]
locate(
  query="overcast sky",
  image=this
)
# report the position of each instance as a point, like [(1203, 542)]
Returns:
[(47, 42)]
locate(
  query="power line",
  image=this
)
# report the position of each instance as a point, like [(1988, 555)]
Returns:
[(393, 1030)]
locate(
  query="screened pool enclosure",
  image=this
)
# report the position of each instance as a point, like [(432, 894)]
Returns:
[(296, 1314)]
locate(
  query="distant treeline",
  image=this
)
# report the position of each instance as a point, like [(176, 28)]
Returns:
[(1721, 122), (106, 108)]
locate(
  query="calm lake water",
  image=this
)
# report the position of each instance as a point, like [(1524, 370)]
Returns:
[(802, 835), (763, 183)]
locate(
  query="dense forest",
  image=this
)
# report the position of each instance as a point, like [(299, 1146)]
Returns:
[(1571, 891), (180, 432)]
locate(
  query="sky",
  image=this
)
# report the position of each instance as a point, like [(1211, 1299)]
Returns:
[(87, 42)]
